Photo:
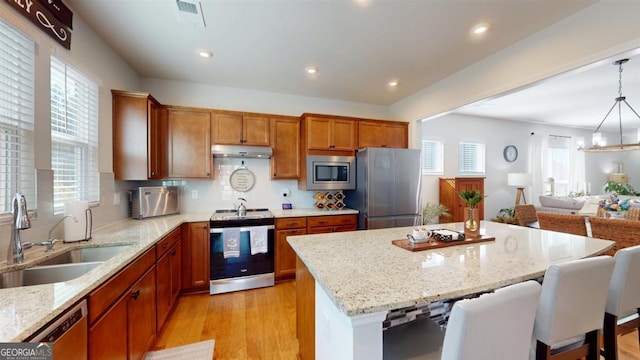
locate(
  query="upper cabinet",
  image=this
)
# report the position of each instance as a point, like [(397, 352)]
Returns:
[(391, 134), (329, 133), (233, 128), (138, 116), (188, 143), (285, 139)]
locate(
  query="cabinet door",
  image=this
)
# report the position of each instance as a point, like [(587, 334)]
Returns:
[(318, 133), (157, 141), (227, 129), (285, 139), (256, 130), (195, 256), (141, 312), (370, 134), (343, 135), (108, 335), (189, 144), (176, 271), (285, 266), (163, 290), (396, 135)]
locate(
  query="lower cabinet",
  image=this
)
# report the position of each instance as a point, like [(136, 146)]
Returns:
[(332, 223), (285, 257), (169, 255), (195, 257), (122, 312)]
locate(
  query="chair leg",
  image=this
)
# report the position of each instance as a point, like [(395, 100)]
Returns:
[(610, 351), (592, 339), (543, 351)]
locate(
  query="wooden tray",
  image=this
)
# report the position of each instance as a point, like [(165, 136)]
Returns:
[(437, 244)]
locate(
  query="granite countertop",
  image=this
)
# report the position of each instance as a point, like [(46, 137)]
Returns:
[(24, 310), (363, 272)]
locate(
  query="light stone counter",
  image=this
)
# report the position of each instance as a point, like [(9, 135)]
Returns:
[(363, 272), (26, 309), (360, 276), (311, 212)]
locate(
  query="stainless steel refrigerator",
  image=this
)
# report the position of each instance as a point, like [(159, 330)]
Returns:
[(387, 188)]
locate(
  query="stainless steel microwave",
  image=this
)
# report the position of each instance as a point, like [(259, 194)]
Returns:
[(331, 172)]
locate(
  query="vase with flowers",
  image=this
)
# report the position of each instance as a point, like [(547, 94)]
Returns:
[(613, 207), (471, 215)]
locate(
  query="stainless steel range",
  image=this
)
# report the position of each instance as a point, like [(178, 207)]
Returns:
[(242, 249)]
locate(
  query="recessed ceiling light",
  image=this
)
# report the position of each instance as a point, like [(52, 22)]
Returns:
[(311, 70), (480, 29), (393, 83), (205, 54)]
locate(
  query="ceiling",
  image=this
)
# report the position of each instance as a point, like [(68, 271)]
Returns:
[(358, 45)]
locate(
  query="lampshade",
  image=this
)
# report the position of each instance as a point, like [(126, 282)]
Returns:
[(519, 179)]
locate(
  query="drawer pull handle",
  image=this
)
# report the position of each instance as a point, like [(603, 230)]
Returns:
[(173, 253), (135, 295), (165, 245)]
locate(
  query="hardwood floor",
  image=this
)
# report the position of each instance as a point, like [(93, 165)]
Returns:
[(261, 324)]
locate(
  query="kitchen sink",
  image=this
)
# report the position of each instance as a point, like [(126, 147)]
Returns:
[(46, 274), (85, 255)]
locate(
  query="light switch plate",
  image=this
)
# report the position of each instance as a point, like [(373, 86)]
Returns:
[(194, 194), (116, 199)]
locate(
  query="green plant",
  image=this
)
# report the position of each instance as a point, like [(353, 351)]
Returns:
[(471, 197), (620, 189), (431, 213), (507, 213)]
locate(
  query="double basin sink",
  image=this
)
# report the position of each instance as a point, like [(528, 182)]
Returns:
[(62, 267)]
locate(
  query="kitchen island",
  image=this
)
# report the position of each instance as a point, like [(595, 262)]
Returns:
[(356, 278)]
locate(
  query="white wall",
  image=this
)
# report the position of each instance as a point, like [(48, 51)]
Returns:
[(95, 58), (496, 134)]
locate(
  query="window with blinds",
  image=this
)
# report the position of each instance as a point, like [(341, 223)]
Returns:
[(471, 159), (74, 136), (17, 58), (432, 157)]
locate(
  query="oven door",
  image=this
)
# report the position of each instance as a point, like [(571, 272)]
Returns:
[(245, 264)]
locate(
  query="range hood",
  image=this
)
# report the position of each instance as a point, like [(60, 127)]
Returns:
[(241, 151)]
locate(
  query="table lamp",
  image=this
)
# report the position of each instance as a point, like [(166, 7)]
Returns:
[(520, 181)]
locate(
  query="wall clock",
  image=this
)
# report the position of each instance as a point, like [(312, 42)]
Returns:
[(510, 153)]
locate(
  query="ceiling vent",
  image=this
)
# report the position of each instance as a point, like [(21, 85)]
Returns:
[(190, 12)]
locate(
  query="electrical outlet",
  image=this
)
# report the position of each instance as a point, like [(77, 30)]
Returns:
[(116, 199), (194, 194)]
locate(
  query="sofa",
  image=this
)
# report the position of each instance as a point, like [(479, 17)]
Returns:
[(583, 205)]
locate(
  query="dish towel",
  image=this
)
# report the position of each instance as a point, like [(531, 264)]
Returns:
[(231, 242), (258, 240)]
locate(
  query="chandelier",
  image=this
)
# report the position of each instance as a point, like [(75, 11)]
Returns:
[(598, 141)]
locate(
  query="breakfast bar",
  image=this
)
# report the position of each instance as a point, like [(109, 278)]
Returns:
[(349, 282)]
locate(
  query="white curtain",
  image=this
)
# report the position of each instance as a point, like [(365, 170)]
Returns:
[(577, 172), (538, 145)]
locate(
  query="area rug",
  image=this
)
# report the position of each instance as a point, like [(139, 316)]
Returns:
[(198, 351)]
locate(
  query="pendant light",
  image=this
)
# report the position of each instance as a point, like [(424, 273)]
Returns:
[(598, 141)]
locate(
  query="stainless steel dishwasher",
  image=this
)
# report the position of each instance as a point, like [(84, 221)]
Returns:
[(68, 333)]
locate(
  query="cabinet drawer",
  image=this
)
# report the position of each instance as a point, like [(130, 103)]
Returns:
[(332, 220), (167, 242), (291, 223), (102, 298)]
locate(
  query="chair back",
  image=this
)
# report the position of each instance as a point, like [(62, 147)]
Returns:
[(525, 214), (624, 288), (573, 299), (625, 233), (567, 223), (633, 214), (494, 326)]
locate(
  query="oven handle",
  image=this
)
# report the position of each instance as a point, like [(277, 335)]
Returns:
[(242, 229)]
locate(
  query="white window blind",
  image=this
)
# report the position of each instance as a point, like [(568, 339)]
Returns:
[(432, 157), (74, 136), (471, 158), (17, 54)]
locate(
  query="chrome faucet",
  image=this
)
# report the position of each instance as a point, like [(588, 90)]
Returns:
[(242, 210), (20, 221)]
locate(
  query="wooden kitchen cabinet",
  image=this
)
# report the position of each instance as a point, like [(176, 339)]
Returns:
[(449, 189), (169, 261), (139, 136), (332, 223), (195, 257), (188, 143), (285, 257), (285, 140), (234, 128), (122, 312), (329, 133), (390, 134)]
